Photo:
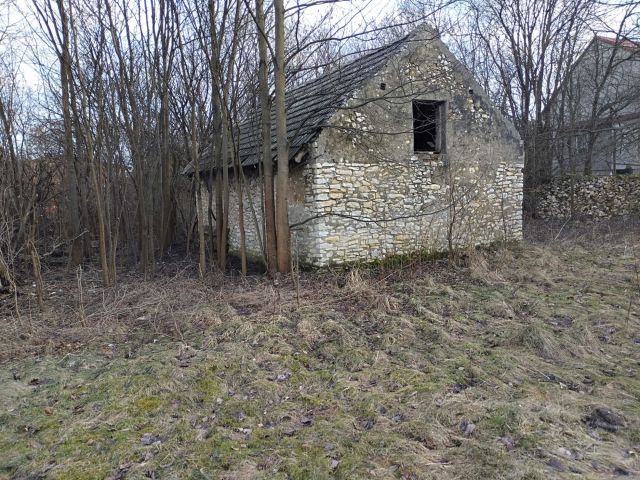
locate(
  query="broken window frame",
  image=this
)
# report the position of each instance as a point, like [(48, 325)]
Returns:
[(439, 108)]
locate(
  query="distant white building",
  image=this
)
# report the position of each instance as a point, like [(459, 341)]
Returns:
[(593, 119)]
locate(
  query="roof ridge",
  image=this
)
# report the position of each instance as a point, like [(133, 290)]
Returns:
[(619, 41), (369, 53), (311, 104)]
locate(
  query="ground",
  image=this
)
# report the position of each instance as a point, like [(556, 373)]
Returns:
[(516, 362)]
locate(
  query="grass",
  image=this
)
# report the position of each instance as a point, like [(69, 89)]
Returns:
[(362, 374)]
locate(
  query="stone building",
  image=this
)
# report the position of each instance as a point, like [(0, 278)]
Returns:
[(593, 118), (398, 151)]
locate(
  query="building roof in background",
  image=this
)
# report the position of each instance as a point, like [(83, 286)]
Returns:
[(311, 105), (620, 42), (626, 44)]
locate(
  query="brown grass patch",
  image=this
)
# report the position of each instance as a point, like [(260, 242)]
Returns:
[(369, 373)]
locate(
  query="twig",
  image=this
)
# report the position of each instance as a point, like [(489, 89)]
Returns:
[(83, 317), (561, 228)]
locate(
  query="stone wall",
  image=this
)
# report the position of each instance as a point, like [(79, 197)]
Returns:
[(374, 196), (353, 211), (369, 211), (597, 197)]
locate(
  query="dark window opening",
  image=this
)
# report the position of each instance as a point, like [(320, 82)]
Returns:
[(429, 121)]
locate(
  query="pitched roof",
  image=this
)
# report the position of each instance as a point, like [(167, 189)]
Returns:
[(310, 106), (624, 43)]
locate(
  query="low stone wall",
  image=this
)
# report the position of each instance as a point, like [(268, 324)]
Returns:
[(366, 211), (596, 197), (348, 211)]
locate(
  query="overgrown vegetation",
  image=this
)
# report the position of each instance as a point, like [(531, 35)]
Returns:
[(520, 362)]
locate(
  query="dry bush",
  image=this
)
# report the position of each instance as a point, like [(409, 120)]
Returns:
[(484, 268), (175, 302), (366, 288), (499, 308), (537, 340), (80, 310)]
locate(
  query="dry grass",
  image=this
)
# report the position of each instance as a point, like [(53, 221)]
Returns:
[(372, 373)]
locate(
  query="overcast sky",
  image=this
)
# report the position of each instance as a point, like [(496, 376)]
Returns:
[(17, 16)]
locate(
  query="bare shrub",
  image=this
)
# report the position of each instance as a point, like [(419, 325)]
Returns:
[(483, 268), (536, 339), (370, 290)]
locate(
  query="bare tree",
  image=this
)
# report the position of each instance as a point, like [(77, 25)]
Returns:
[(520, 52), (267, 160), (54, 20), (282, 194)]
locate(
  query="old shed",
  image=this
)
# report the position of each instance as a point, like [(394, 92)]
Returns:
[(395, 152)]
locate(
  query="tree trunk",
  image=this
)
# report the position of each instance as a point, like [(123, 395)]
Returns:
[(267, 160), (73, 213), (282, 214), (202, 257), (237, 167)]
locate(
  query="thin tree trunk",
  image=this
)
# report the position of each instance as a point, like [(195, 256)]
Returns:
[(202, 257), (35, 261), (282, 214), (86, 134), (221, 246), (219, 143), (75, 254), (133, 116), (267, 160), (237, 167), (225, 190)]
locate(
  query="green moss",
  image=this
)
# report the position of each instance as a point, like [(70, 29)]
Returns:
[(148, 404), (389, 262), (503, 420), (80, 471), (208, 388), (406, 376)]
